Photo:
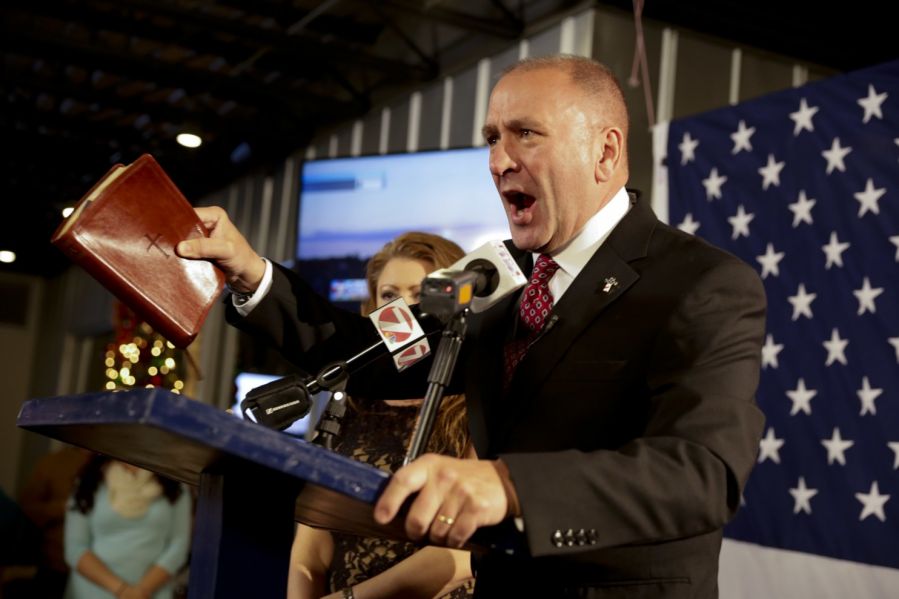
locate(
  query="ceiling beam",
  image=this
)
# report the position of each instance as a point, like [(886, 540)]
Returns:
[(509, 28), (91, 57), (256, 124), (305, 47)]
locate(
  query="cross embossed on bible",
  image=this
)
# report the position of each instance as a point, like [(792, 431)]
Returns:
[(156, 245)]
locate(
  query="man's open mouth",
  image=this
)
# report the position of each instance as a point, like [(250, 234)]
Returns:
[(519, 201)]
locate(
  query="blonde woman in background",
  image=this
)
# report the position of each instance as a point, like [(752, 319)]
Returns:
[(377, 433)]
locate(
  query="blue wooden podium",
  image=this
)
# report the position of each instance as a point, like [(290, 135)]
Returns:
[(253, 482)]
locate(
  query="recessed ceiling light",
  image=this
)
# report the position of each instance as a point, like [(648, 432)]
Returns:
[(67, 211), (7, 257), (189, 140)]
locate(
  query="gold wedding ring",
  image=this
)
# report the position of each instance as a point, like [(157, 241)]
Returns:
[(448, 520)]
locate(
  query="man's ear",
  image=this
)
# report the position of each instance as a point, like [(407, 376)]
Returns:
[(609, 154)]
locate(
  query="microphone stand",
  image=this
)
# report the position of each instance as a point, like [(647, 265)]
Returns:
[(332, 378), (438, 379)]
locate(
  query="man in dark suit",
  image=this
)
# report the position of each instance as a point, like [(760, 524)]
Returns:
[(611, 405)]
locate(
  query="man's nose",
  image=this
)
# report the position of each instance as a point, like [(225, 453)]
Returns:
[(502, 159)]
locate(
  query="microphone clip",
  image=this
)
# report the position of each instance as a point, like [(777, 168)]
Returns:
[(332, 378)]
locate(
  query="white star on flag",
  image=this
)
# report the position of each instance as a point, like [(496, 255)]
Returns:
[(834, 251), (835, 156), (770, 351), (769, 447), (802, 302), (895, 241), (801, 398), (866, 296), (802, 496), (894, 341), (688, 225), (868, 198), (740, 222), (771, 172), (802, 209), (803, 117), (895, 447), (836, 349), (836, 448), (871, 103), (867, 395), (713, 184), (770, 260), (687, 149), (872, 503), (741, 138)]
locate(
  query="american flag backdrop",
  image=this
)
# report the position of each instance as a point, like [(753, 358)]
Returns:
[(804, 186)]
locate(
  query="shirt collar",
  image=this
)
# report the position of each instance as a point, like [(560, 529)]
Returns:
[(573, 257)]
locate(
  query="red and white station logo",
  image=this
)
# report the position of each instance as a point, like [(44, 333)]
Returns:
[(396, 324), (410, 356)]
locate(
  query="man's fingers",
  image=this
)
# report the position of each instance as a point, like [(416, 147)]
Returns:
[(406, 481), (206, 247), (211, 215), (466, 522), (442, 476)]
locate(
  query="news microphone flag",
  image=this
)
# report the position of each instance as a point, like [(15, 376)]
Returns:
[(510, 277), (401, 333), (804, 185)]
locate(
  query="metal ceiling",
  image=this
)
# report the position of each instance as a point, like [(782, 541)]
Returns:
[(88, 83)]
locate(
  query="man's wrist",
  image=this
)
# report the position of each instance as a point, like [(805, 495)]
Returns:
[(513, 508), (241, 297), (248, 282)]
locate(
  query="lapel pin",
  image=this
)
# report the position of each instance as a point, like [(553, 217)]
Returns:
[(610, 283)]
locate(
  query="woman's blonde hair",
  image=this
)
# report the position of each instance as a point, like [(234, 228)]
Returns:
[(450, 434), (433, 250)]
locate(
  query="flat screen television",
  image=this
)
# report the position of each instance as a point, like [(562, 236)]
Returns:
[(351, 207)]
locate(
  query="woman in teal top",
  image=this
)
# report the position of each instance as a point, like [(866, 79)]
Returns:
[(127, 532)]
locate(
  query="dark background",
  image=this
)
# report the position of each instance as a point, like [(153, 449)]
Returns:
[(89, 83)]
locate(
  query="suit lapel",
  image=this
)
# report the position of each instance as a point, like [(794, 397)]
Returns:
[(606, 277)]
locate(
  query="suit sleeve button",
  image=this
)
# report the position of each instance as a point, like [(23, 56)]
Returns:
[(581, 537)]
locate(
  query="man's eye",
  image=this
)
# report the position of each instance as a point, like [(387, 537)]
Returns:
[(526, 132), (491, 140)]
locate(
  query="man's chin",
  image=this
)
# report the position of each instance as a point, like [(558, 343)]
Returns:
[(526, 240)]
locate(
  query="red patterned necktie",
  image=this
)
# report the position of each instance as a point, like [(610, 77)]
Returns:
[(536, 306)]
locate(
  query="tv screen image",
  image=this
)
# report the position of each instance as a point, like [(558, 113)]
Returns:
[(351, 207)]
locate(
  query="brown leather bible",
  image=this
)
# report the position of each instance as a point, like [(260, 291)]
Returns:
[(123, 232)]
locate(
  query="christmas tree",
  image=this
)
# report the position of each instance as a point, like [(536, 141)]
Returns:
[(140, 357)]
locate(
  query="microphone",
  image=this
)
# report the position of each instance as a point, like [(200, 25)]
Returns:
[(280, 403), (477, 281)]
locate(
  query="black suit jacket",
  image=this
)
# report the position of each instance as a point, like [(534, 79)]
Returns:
[(630, 426)]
